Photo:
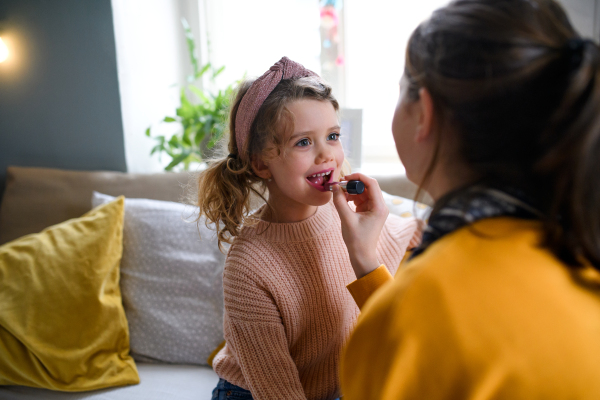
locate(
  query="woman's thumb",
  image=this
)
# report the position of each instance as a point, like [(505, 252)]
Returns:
[(340, 202)]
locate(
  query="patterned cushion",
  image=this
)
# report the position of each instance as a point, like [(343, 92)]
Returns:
[(406, 208), (171, 282)]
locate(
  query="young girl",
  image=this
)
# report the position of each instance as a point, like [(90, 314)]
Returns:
[(287, 310)]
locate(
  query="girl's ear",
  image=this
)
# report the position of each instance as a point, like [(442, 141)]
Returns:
[(260, 168), (426, 118)]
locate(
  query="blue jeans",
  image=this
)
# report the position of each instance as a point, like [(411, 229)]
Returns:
[(227, 391)]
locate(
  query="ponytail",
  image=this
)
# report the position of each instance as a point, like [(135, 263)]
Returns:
[(226, 186), (572, 161), (225, 191)]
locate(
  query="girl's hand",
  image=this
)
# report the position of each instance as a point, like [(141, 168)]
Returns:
[(361, 229)]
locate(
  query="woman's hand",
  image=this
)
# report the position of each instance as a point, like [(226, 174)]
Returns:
[(361, 229)]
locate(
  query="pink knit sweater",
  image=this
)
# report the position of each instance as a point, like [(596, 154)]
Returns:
[(287, 310)]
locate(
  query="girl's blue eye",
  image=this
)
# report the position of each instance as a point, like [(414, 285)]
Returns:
[(333, 136), (303, 143)]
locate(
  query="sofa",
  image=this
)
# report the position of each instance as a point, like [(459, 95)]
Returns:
[(171, 358)]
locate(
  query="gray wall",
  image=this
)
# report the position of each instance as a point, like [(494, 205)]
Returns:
[(59, 93)]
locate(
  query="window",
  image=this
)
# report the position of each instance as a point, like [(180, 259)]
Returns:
[(376, 34), (248, 36)]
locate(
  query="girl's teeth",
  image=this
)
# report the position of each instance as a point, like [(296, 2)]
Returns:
[(323, 174)]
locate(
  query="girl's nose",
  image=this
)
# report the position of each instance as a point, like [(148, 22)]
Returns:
[(324, 154)]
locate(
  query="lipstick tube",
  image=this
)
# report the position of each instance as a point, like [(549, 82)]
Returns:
[(352, 187)]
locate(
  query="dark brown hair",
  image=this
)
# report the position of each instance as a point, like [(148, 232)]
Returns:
[(225, 188), (521, 90)]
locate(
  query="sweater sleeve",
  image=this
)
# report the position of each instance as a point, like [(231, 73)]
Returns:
[(361, 289), (256, 336), (398, 236)]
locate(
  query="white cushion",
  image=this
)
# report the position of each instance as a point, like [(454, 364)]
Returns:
[(171, 282), (158, 382)]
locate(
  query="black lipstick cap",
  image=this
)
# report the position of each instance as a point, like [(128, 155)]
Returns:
[(354, 187)]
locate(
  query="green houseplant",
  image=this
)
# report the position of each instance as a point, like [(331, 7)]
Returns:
[(203, 119)]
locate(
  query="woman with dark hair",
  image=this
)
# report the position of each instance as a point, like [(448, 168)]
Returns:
[(499, 120)]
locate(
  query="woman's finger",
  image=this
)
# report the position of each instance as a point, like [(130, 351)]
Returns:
[(361, 228), (341, 203), (372, 196), (358, 201)]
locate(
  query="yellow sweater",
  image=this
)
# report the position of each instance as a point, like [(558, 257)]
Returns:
[(483, 313)]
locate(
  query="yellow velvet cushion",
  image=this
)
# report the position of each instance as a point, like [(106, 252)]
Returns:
[(62, 323)]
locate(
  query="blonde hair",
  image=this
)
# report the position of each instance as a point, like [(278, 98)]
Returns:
[(226, 187)]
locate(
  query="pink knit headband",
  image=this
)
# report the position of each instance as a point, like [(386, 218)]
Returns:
[(258, 93)]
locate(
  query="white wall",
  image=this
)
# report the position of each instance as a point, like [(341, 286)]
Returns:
[(583, 15), (152, 64), (247, 37)]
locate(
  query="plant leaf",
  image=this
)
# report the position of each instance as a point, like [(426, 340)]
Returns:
[(169, 119), (185, 139), (205, 68), (191, 44), (198, 137), (218, 72), (174, 142), (177, 159), (156, 148), (200, 94)]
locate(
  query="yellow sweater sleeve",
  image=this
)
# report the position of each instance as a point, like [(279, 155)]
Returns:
[(361, 289)]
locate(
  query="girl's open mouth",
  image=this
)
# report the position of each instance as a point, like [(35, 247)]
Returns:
[(319, 180)]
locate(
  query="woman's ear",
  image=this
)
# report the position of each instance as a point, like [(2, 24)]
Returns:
[(425, 128), (260, 168)]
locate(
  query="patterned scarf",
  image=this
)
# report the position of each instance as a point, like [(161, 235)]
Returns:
[(471, 205)]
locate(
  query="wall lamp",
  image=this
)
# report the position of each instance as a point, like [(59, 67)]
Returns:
[(4, 53), (3, 50)]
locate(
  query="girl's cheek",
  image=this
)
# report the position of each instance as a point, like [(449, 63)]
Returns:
[(341, 156)]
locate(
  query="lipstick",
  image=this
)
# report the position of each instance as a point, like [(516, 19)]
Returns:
[(352, 187)]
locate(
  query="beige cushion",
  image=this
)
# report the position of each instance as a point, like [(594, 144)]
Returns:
[(36, 198)]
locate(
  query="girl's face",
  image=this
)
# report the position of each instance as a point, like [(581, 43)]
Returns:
[(312, 156)]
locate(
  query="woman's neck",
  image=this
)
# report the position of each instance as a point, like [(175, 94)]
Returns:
[(445, 178)]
